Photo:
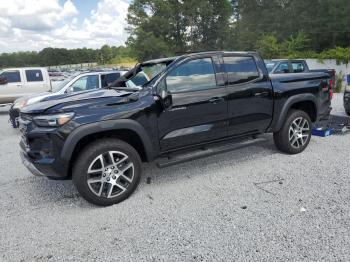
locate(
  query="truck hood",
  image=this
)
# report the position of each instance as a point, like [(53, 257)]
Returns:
[(73, 98)]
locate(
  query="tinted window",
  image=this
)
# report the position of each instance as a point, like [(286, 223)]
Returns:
[(12, 76), (298, 67), (194, 75), (34, 75), (240, 69), (85, 83), (283, 68), (109, 78)]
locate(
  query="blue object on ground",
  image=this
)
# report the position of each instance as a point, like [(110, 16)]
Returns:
[(348, 78), (322, 132)]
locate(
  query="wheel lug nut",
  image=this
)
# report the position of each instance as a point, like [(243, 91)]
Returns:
[(104, 174), (114, 177), (108, 178), (112, 167)]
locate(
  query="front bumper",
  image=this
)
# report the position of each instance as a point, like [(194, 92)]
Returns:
[(40, 151), (30, 166)]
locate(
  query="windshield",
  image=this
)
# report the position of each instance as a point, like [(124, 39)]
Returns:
[(270, 66), (147, 73)]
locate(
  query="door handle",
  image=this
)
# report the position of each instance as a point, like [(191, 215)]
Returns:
[(261, 94), (216, 100)]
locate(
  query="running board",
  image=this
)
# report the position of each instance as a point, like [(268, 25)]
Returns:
[(205, 152)]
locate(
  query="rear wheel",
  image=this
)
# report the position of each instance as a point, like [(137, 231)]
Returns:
[(107, 172), (295, 134)]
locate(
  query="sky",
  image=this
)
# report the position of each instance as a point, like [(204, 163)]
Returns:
[(31, 25)]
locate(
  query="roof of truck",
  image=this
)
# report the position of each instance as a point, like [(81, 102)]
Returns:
[(170, 59)]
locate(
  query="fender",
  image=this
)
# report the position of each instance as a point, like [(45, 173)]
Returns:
[(277, 125), (107, 125)]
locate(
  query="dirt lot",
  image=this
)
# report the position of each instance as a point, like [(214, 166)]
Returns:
[(250, 204)]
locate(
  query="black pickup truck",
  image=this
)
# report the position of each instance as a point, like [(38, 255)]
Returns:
[(100, 138)]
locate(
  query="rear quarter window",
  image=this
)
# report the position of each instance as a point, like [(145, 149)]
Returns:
[(34, 75)]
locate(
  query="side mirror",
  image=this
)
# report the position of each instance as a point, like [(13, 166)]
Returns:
[(166, 99), (3, 80)]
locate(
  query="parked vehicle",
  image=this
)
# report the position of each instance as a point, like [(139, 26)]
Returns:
[(347, 100), (76, 83), (193, 101), (18, 82)]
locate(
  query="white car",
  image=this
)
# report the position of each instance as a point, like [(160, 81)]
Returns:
[(18, 82), (76, 83)]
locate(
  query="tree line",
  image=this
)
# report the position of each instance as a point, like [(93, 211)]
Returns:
[(276, 28), (62, 56)]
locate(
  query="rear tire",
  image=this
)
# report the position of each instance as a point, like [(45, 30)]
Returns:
[(107, 172), (348, 113), (295, 134)]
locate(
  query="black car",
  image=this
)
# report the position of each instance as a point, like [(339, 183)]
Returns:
[(347, 100), (101, 137)]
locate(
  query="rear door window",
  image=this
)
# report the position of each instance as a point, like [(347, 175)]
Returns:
[(12, 76), (240, 69), (283, 68), (34, 75), (298, 67)]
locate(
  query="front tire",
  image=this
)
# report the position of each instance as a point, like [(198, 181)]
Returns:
[(107, 172), (295, 134)]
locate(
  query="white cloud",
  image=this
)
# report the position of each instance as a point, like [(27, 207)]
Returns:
[(36, 24)]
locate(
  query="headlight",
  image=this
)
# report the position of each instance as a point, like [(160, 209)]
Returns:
[(53, 120), (20, 104)]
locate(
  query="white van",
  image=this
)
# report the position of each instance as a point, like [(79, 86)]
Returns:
[(18, 82)]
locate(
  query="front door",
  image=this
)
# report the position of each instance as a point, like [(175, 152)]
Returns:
[(199, 110), (14, 87)]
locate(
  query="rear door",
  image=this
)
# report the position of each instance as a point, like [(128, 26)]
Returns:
[(250, 95), (14, 87), (34, 81), (199, 111)]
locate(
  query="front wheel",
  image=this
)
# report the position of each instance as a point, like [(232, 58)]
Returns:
[(107, 172), (295, 134)]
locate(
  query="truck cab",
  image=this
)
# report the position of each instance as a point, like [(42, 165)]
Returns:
[(18, 82)]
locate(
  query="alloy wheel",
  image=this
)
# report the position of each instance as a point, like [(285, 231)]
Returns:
[(110, 174), (299, 132)]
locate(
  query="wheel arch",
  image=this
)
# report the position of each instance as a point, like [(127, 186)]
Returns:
[(304, 102), (123, 129)]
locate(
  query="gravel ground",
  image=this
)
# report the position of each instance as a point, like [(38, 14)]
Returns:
[(250, 204)]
